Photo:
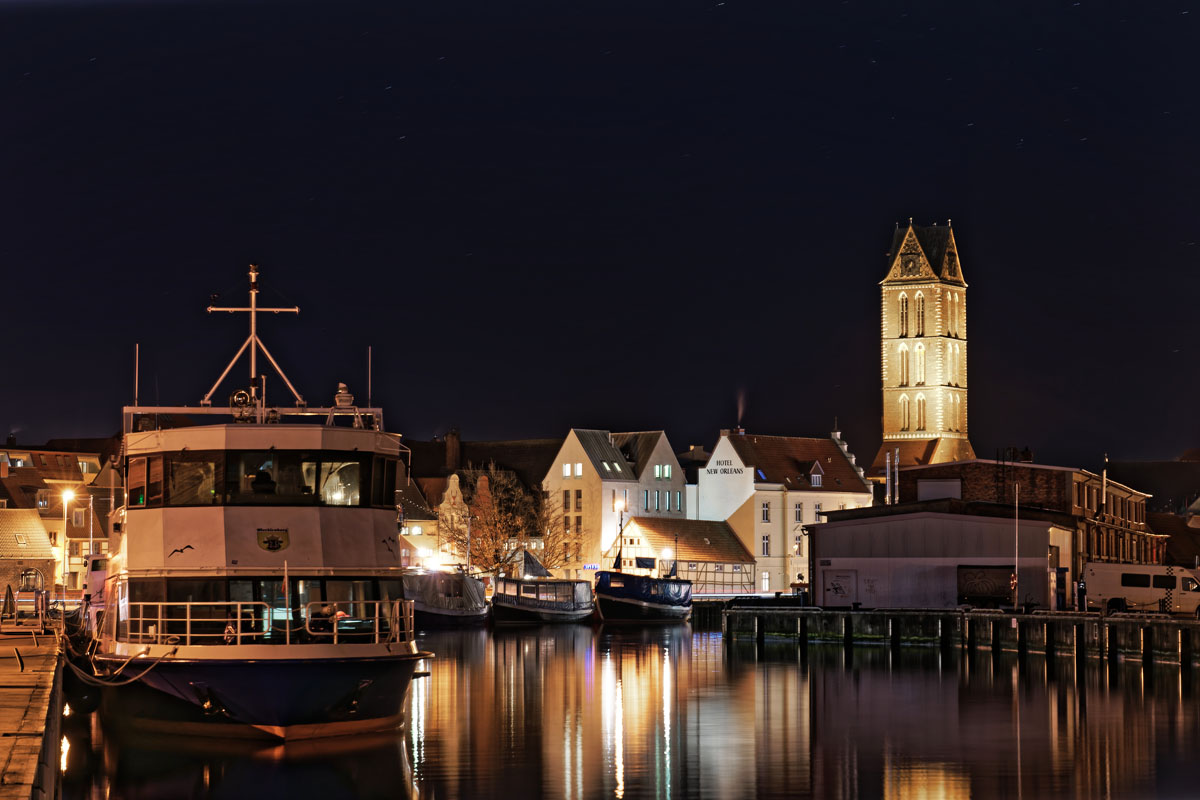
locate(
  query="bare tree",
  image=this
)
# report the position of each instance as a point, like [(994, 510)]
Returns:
[(500, 509), (556, 546)]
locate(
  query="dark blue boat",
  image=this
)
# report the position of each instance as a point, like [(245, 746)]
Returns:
[(625, 597)]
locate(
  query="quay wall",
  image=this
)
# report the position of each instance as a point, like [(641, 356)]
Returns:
[(1124, 637)]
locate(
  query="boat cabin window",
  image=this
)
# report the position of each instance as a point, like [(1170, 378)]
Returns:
[(529, 590), (262, 477), (137, 483)]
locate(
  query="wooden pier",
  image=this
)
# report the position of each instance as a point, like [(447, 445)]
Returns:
[(1119, 637), (31, 707)]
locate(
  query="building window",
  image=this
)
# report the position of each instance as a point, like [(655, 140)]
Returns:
[(566, 524), (816, 479), (625, 498), (920, 320), (817, 511), (904, 315), (766, 544), (78, 517), (607, 468), (578, 469), (678, 500), (766, 512), (799, 512), (656, 506), (920, 365), (920, 412), (667, 471), (579, 499), (904, 365), (796, 544), (566, 470), (766, 582), (904, 412), (43, 499), (21, 539), (578, 531), (646, 500), (566, 499), (658, 472), (614, 499), (617, 466)]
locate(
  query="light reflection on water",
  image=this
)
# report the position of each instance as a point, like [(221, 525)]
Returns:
[(577, 712)]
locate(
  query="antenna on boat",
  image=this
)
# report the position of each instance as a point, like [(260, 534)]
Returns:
[(369, 377), (137, 362), (255, 344)]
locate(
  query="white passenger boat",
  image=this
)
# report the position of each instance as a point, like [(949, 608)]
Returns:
[(256, 571)]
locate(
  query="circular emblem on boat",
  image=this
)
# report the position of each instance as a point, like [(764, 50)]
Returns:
[(273, 539)]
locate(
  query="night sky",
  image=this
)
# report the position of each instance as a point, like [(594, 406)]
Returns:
[(620, 215)]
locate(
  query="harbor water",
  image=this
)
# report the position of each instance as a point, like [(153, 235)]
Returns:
[(669, 712)]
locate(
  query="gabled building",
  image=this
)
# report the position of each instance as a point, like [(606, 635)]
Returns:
[(923, 324), (27, 560), (768, 488), (601, 479)]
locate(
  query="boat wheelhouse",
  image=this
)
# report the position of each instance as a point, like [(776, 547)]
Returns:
[(256, 572), (542, 600)]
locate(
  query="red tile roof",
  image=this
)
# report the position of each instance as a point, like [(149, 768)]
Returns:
[(698, 539), (789, 460)]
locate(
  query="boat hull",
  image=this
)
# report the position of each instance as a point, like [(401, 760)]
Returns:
[(640, 598), (277, 698), (429, 617), (505, 613)]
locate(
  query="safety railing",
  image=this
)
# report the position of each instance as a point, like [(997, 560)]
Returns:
[(236, 623)]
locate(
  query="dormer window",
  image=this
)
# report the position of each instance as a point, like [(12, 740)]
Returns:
[(607, 468), (816, 479)]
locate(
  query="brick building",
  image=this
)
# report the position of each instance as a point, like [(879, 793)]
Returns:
[(1110, 518), (923, 329)]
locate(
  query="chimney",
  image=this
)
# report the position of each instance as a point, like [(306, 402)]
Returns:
[(724, 431), (11, 441), (453, 450)]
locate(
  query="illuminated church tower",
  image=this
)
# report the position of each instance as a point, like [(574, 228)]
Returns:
[(924, 330)]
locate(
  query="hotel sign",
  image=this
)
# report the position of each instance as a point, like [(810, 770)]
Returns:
[(724, 467), (591, 566)]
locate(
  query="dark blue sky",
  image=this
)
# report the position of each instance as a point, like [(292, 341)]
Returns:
[(618, 215)]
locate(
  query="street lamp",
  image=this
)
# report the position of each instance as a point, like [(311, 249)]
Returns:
[(67, 496), (666, 556)]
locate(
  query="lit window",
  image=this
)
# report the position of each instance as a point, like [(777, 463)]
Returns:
[(667, 471), (678, 500), (578, 469), (607, 468), (616, 466), (416, 530), (657, 472), (904, 315), (656, 506), (646, 500), (920, 320), (566, 470)]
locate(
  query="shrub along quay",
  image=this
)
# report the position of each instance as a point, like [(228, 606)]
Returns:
[(1141, 637)]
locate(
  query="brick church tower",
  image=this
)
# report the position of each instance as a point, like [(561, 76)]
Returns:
[(923, 321)]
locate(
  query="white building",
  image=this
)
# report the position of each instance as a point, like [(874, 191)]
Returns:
[(768, 488), (600, 478)]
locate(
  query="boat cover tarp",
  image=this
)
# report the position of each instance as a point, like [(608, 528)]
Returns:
[(450, 590), (531, 566), (644, 563), (643, 587)]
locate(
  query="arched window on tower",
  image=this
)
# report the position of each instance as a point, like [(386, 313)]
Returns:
[(957, 414), (903, 370), (920, 320), (957, 365), (953, 314), (920, 412), (904, 412), (904, 315), (920, 365)]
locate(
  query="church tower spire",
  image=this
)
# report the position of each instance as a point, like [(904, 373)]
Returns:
[(923, 317)]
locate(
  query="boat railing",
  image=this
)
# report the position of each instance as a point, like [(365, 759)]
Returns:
[(359, 620), (236, 623)]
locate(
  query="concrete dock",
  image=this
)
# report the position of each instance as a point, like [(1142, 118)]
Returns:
[(30, 716), (1147, 638)]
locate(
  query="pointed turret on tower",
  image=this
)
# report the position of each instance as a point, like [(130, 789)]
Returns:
[(924, 350)]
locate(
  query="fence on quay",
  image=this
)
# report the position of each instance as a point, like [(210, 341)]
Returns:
[(1149, 638)]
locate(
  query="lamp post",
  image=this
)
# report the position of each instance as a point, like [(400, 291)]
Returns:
[(620, 524), (666, 556), (67, 497)]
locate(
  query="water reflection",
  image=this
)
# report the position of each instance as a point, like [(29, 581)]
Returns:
[(580, 712)]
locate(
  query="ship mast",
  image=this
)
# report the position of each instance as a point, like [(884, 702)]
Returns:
[(254, 343)]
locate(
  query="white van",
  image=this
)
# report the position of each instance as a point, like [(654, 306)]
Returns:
[(1142, 587)]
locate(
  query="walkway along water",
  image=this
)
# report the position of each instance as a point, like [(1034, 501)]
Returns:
[(31, 713)]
